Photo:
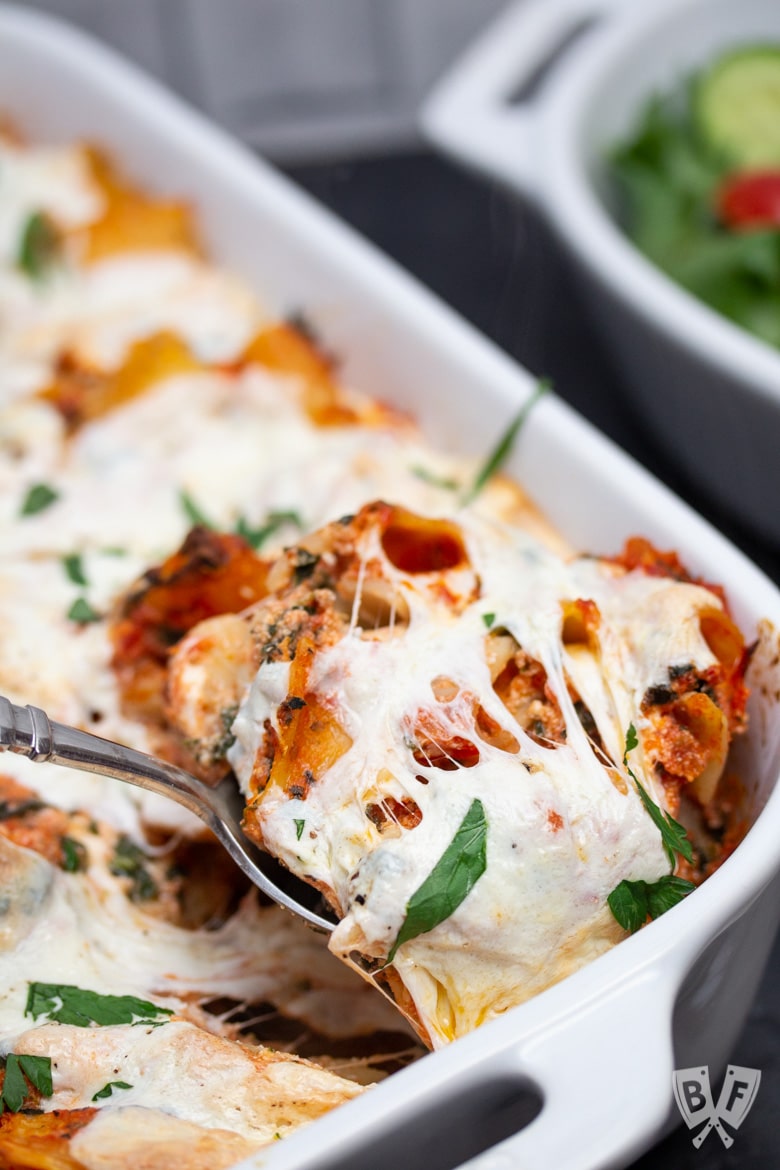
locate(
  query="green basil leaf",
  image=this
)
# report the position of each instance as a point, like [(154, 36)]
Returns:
[(632, 903), (503, 447), (14, 1084), (108, 1089), (667, 892), (37, 1069), (39, 246), (74, 569), (628, 903), (66, 1004), (488, 619), (39, 496), (299, 826), (81, 611), (450, 881)]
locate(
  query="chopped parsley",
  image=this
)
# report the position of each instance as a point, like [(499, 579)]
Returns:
[(488, 619), (673, 834), (633, 902), (108, 1089), (304, 564), (19, 1069), (299, 827), (447, 483), (39, 246), (459, 868), (81, 611), (503, 447), (255, 537), (39, 497), (130, 861), (193, 512), (74, 855), (74, 569), (65, 1004), (19, 808)]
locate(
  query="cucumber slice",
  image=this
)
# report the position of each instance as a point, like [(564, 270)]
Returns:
[(737, 106)]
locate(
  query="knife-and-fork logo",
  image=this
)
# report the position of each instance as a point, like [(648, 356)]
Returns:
[(693, 1094)]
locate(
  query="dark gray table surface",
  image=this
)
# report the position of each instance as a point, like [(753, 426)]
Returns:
[(495, 263)]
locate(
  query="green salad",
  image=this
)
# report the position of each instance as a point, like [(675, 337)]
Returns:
[(699, 186)]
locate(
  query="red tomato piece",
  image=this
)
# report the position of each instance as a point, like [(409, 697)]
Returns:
[(750, 199)]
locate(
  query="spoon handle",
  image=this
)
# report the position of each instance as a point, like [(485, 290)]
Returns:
[(28, 731)]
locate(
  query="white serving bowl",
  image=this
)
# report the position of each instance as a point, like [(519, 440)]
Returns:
[(593, 1056), (707, 390)]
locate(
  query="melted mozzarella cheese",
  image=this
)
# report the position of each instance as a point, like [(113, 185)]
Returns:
[(237, 447), (563, 829), (97, 313), (64, 667), (80, 929), (128, 1137), (189, 1074)]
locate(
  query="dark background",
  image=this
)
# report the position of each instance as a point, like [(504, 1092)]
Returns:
[(496, 263)]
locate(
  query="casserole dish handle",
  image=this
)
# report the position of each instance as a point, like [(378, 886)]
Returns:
[(486, 109), (605, 1076)]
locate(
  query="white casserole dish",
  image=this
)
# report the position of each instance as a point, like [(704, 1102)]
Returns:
[(708, 390), (593, 1056)]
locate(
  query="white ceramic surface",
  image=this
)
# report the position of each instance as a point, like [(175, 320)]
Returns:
[(707, 389), (600, 1047)]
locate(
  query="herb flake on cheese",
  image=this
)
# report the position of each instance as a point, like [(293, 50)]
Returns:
[(193, 512), (130, 861), (39, 246), (74, 855), (82, 612), (446, 483), (255, 537), (108, 1089), (74, 569), (39, 497)]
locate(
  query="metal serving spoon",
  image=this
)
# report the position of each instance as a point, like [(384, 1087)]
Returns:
[(28, 731)]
